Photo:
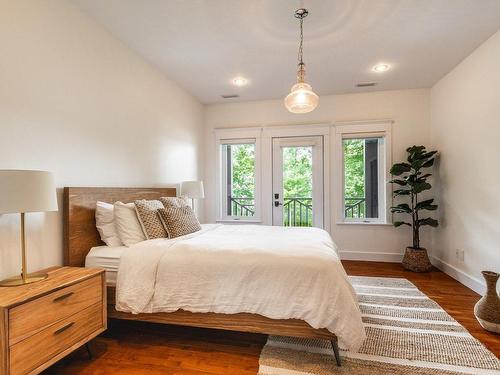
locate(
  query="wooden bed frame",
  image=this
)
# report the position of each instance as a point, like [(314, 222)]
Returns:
[(80, 235)]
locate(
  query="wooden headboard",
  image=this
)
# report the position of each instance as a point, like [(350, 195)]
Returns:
[(80, 232)]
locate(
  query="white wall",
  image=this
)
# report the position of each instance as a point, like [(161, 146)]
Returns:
[(408, 108), (74, 100), (465, 128)]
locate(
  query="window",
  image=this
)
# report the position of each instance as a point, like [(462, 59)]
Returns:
[(364, 163), (238, 179)]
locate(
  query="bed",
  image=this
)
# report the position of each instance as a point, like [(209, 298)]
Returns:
[(82, 238)]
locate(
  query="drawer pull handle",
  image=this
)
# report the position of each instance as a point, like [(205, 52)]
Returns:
[(62, 329), (63, 297)]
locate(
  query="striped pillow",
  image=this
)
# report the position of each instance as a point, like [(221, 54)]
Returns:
[(179, 221), (149, 218)]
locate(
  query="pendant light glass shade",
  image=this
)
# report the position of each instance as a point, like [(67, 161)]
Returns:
[(301, 99)]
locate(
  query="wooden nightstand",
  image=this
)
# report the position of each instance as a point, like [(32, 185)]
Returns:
[(41, 323)]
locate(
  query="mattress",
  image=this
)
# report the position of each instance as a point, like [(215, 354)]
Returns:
[(108, 258)]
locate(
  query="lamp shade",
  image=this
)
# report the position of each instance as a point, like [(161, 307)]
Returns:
[(27, 191), (193, 189)]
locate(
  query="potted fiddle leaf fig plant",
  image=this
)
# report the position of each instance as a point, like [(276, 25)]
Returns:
[(411, 181)]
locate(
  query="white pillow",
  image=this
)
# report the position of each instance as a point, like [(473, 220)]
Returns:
[(104, 219), (127, 224)]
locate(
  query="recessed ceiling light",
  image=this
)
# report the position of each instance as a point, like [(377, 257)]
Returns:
[(379, 68), (240, 81)]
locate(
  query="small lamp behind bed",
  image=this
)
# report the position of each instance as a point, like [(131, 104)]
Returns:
[(24, 191), (193, 190)]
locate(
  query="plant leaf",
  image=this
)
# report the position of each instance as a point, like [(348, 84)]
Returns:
[(398, 182), (415, 153), (430, 154), (428, 163), (428, 221), (415, 149), (426, 205), (400, 168), (422, 178), (420, 187), (417, 164), (401, 208), (399, 223), (401, 192)]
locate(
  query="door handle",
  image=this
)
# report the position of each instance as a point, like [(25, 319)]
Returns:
[(277, 204)]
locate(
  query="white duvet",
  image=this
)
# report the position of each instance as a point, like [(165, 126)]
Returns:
[(280, 273)]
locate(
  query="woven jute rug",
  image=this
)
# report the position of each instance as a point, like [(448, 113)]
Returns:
[(407, 333)]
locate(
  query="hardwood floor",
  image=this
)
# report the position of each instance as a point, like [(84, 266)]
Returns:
[(456, 299), (139, 348)]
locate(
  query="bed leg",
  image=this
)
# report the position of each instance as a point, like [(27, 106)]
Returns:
[(335, 346), (89, 351)]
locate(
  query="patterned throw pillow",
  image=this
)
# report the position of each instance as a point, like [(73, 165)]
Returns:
[(147, 212), (179, 221), (174, 201)]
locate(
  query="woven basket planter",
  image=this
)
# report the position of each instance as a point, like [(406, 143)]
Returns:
[(487, 309), (416, 260)]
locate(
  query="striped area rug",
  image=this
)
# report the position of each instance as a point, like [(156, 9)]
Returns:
[(407, 333)]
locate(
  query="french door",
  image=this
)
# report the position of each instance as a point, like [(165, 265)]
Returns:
[(297, 166)]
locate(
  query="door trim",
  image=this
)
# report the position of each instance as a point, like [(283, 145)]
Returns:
[(290, 131)]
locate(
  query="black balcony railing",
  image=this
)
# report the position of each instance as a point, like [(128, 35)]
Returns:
[(297, 212), (241, 206), (355, 207)]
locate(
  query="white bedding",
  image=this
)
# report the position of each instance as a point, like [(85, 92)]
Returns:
[(107, 257), (280, 273)]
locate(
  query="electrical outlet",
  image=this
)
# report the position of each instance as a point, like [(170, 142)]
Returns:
[(460, 255)]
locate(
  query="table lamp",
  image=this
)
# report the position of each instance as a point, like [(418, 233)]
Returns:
[(23, 191), (193, 190)]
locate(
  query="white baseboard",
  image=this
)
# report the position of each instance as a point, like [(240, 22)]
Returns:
[(371, 256), (469, 281)]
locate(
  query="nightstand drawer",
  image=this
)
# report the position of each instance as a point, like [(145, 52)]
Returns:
[(26, 319), (31, 353)]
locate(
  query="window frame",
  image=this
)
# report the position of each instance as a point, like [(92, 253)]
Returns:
[(360, 130), (237, 136)]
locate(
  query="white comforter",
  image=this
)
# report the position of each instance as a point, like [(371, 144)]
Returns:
[(280, 273)]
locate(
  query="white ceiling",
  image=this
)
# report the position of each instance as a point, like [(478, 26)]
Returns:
[(203, 44)]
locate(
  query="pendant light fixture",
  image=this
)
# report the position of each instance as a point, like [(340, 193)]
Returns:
[(302, 98)]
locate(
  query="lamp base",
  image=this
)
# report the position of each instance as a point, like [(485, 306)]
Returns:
[(18, 280)]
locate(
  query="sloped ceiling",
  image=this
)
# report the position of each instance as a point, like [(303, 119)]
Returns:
[(204, 44)]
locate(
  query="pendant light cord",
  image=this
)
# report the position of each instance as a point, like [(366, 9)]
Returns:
[(301, 72), (301, 43)]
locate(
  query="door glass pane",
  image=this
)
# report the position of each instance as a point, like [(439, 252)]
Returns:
[(297, 186), (239, 179), (361, 185)]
